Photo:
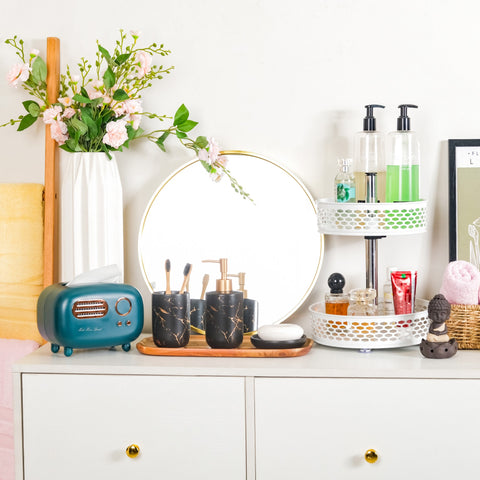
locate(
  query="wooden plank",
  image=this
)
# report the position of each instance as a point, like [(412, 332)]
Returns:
[(51, 152)]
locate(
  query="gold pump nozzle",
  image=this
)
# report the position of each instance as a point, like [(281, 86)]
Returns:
[(241, 282), (224, 284)]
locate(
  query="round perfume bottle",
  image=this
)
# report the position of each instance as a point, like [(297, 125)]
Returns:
[(362, 302)]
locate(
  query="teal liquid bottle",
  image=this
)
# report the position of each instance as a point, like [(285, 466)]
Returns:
[(344, 191), (403, 162)]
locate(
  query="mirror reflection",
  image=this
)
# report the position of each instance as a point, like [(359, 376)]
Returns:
[(273, 240)]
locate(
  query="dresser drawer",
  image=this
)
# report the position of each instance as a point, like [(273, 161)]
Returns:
[(322, 428), (79, 426)]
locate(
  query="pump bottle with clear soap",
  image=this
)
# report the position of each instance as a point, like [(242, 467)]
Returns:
[(403, 161), (224, 312), (369, 164)]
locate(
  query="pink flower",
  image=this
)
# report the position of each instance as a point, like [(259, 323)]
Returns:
[(65, 101), (135, 119), (58, 131), (69, 112), (116, 133), (34, 53), (18, 73), (211, 155), (52, 114), (144, 61)]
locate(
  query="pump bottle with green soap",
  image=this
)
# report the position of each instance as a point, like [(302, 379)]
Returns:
[(403, 161), (369, 165), (224, 312)]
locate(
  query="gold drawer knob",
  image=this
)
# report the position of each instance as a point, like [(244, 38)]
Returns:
[(133, 450), (371, 456)]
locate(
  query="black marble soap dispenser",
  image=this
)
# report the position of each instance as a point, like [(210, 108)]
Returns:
[(224, 312), (250, 306)]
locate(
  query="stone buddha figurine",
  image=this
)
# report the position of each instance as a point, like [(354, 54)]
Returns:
[(438, 344)]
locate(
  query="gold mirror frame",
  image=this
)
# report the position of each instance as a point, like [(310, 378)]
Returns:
[(188, 214)]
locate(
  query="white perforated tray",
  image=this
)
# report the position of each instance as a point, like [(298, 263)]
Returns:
[(384, 331), (377, 219)]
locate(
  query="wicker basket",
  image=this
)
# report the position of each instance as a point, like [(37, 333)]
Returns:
[(464, 326)]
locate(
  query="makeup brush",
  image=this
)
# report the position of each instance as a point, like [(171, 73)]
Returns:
[(167, 270), (206, 277), (186, 273)]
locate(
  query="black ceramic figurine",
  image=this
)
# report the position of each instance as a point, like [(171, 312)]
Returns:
[(171, 319), (438, 344)]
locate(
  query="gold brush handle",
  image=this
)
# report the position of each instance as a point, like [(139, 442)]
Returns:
[(371, 456), (133, 450)]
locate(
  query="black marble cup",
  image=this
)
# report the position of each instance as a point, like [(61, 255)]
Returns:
[(224, 319), (198, 308), (171, 319), (250, 315)]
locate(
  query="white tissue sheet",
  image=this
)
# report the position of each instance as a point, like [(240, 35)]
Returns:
[(108, 274)]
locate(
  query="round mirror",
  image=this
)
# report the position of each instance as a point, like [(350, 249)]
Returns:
[(273, 239)]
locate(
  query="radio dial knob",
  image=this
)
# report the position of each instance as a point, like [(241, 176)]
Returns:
[(123, 306)]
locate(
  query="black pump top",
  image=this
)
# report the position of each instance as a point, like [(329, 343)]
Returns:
[(369, 122), (336, 282), (403, 121)]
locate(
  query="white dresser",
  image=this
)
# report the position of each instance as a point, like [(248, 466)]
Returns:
[(312, 417)]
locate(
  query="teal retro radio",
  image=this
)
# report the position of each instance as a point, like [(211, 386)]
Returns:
[(90, 316)]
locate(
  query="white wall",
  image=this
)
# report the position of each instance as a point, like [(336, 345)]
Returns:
[(284, 79)]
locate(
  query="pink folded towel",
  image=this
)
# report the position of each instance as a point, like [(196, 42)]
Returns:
[(461, 283)]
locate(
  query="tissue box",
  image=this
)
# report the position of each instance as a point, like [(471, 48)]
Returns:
[(90, 315)]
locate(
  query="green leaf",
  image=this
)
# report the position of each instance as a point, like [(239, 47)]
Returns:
[(201, 142), (160, 140), (80, 98), (84, 92), (109, 78), (33, 108), (79, 126), (122, 58), (105, 53), (181, 115), (27, 120), (39, 71), (120, 95), (187, 126), (96, 101), (91, 124), (66, 147), (181, 134), (72, 144)]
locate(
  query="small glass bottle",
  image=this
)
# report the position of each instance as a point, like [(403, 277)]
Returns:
[(345, 182), (388, 308), (336, 302), (362, 302)]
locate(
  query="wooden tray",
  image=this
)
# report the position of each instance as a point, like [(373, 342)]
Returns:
[(197, 347)]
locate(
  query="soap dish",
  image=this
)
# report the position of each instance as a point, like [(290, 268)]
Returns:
[(260, 343)]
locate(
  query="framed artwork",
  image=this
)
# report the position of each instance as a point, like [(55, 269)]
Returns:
[(464, 203)]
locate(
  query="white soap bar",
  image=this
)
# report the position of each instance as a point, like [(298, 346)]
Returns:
[(283, 331)]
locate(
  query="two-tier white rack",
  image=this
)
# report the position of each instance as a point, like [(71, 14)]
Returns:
[(371, 221)]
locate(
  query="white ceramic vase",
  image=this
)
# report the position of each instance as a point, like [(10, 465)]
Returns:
[(90, 213)]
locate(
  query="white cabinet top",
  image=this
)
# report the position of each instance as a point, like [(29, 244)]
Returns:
[(319, 362)]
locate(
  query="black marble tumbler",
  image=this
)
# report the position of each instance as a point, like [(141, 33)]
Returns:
[(171, 319), (224, 319), (198, 308)]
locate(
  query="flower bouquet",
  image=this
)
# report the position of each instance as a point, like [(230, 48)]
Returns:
[(100, 108)]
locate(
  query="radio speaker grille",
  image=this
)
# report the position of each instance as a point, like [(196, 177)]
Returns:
[(90, 309)]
